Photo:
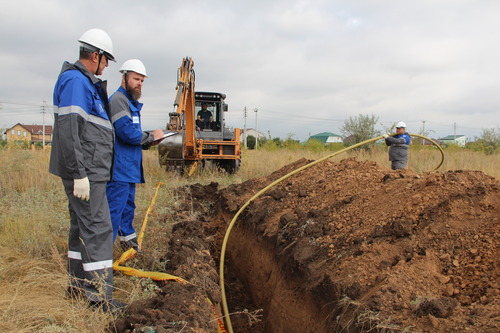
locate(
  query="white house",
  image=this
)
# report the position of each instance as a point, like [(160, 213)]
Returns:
[(251, 132), (458, 140), (327, 137)]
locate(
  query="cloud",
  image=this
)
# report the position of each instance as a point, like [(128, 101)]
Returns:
[(306, 65)]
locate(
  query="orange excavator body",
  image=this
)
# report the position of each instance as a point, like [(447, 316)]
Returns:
[(197, 143)]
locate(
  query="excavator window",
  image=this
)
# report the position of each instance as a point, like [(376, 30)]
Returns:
[(209, 112)]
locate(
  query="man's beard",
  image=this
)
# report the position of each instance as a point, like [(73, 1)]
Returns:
[(135, 94)]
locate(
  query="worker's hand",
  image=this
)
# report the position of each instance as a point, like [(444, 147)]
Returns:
[(385, 136), (81, 188), (157, 136)]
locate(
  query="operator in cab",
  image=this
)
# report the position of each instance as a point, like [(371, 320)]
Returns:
[(204, 118)]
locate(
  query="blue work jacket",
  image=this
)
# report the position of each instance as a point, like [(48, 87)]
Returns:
[(398, 150), (129, 138), (82, 143)]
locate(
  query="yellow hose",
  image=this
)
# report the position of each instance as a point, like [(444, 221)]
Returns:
[(157, 276), (258, 194), (435, 144)]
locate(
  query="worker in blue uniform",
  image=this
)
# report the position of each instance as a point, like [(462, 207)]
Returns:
[(399, 143), (81, 154), (130, 140)]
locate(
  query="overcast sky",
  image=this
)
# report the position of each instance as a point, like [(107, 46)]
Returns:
[(305, 65)]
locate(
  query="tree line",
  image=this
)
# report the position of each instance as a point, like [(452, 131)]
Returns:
[(360, 128)]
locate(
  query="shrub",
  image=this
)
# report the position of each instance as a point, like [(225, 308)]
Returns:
[(314, 145)]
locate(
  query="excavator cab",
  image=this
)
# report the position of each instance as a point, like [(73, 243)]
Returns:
[(214, 141), (213, 103)]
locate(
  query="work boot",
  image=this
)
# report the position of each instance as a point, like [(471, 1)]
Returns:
[(111, 306), (74, 292), (131, 243)]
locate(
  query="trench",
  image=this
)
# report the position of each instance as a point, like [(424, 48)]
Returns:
[(317, 258), (290, 302)]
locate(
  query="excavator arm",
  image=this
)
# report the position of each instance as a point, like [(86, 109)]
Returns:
[(184, 117)]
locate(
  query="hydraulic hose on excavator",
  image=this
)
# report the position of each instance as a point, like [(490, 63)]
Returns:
[(225, 309)]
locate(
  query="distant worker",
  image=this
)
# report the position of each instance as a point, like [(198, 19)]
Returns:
[(398, 151), (82, 153), (130, 140), (204, 118)]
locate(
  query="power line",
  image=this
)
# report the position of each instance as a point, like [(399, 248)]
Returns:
[(14, 112), (17, 103)]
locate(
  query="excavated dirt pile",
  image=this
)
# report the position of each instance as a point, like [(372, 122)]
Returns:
[(338, 247)]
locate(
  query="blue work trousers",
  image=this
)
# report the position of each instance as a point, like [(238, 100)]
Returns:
[(121, 199)]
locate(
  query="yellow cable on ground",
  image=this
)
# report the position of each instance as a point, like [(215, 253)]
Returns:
[(157, 276), (258, 194), (145, 222), (192, 169)]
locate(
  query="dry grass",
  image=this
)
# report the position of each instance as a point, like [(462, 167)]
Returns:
[(32, 297), (34, 226)]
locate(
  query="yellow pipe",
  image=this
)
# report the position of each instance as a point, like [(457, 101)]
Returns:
[(258, 194), (435, 144), (192, 169)]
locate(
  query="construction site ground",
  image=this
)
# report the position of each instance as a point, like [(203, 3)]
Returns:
[(339, 247)]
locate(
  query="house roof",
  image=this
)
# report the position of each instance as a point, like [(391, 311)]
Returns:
[(34, 129), (325, 134), (323, 137), (249, 131), (452, 137)]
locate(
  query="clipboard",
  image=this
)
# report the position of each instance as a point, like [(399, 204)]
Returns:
[(166, 135)]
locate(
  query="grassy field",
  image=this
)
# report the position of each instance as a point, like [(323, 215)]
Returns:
[(34, 226)]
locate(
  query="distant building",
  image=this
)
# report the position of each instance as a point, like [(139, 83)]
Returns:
[(327, 137), (458, 140), (29, 133), (251, 132)]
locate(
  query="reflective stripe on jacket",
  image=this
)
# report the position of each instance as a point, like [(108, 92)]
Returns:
[(129, 140)]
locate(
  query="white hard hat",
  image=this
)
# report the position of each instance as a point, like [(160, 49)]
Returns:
[(134, 65), (401, 124), (99, 40)]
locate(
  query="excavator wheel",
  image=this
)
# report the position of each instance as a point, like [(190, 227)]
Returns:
[(230, 166)]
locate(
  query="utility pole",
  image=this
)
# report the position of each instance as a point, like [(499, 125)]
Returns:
[(44, 105), (423, 131), (454, 131), (256, 133), (245, 125)]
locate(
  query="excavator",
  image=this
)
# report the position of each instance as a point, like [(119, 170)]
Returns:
[(192, 142)]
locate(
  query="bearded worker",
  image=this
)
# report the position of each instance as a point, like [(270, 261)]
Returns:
[(130, 140)]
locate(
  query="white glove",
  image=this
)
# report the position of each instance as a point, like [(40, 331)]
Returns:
[(385, 136), (81, 188)]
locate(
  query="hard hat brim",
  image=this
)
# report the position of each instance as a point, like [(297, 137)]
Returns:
[(109, 56)]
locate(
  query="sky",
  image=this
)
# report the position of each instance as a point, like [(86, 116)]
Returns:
[(305, 66)]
